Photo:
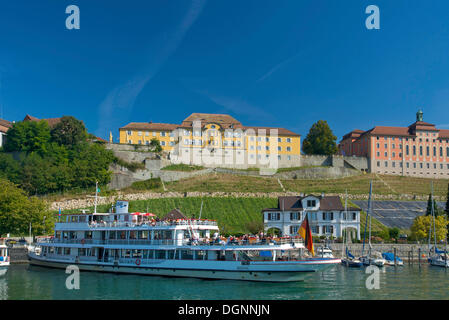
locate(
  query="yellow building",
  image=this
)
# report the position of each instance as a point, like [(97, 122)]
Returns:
[(217, 132)]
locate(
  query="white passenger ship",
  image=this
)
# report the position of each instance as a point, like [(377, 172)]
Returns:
[(135, 243)]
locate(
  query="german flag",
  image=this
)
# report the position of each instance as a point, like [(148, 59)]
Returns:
[(306, 234)]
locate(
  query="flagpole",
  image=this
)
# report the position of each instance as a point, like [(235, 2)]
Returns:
[(96, 192)]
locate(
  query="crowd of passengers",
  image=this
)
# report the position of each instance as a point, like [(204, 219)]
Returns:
[(149, 222), (259, 238)]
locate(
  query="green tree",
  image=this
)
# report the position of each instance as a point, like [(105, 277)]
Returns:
[(320, 140), (9, 168), (393, 233), (90, 163), (422, 224), (155, 145), (28, 136), (69, 132), (17, 211)]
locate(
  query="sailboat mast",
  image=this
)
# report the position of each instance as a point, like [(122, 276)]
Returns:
[(433, 214), (367, 213), (343, 250)]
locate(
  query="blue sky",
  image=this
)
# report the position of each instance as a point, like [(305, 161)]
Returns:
[(267, 63)]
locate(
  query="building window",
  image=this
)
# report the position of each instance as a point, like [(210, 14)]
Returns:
[(311, 203), (420, 150), (393, 164), (274, 216), (129, 133), (378, 163), (427, 151), (162, 143), (289, 149), (279, 139), (294, 229), (414, 150), (295, 216), (386, 164), (377, 146), (434, 151), (139, 133), (279, 148), (354, 216), (407, 150), (289, 158), (386, 154), (289, 140), (130, 142), (394, 154), (154, 133)]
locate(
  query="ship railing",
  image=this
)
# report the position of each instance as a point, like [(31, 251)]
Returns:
[(192, 222), (203, 241)]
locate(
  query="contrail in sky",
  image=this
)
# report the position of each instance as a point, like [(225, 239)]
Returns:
[(124, 95)]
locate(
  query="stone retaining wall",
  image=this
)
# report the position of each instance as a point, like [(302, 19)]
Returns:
[(402, 250), (90, 202)]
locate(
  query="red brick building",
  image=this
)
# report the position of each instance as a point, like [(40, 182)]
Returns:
[(419, 150)]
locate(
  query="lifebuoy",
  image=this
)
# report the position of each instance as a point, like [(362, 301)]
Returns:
[(138, 262)]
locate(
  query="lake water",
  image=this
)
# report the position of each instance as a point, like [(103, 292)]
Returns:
[(338, 282)]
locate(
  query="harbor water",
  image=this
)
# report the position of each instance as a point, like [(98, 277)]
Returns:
[(25, 282)]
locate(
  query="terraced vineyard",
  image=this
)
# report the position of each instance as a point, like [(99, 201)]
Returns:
[(355, 185)]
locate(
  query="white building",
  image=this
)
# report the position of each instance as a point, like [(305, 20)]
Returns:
[(326, 216), (4, 126)]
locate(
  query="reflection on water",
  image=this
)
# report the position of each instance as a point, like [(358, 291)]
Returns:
[(338, 282)]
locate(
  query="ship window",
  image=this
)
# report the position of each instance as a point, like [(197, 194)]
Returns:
[(82, 219), (112, 234), (171, 254), (58, 235), (132, 235), (160, 254), (88, 234), (137, 253), (52, 250), (59, 250), (67, 251), (200, 255), (126, 253), (81, 251), (122, 234), (186, 254)]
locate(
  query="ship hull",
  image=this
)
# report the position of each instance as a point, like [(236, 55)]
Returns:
[(264, 272)]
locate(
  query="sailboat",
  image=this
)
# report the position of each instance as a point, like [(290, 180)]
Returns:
[(373, 257), (347, 259), (438, 258)]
